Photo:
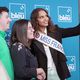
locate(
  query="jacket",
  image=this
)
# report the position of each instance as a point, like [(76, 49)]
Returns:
[(24, 62), (58, 58)]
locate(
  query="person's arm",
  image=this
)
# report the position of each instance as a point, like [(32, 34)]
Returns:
[(3, 73), (21, 63), (69, 32)]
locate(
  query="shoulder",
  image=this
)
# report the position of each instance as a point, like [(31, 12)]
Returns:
[(18, 47), (57, 29)]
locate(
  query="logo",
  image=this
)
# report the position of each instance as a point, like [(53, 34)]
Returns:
[(71, 63), (37, 35), (17, 11), (64, 14), (46, 7)]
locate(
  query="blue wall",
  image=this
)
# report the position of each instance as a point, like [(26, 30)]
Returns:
[(63, 12)]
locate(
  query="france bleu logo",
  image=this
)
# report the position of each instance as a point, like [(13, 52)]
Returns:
[(17, 11), (64, 14), (71, 63)]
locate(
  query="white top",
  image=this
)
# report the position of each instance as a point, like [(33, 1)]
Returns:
[(51, 66)]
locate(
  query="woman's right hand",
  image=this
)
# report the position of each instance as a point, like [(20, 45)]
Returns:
[(41, 74)]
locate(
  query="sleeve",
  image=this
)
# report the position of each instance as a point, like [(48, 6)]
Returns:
[(69, 32), (21, 63), (3, 73)]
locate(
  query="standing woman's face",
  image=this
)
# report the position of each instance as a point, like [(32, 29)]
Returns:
[(30, 31), (43, 19)]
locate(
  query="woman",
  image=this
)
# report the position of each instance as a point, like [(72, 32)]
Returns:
[(25, 64), (50, 56)]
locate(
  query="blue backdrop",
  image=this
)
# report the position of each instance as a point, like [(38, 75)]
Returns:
[(65, 13)]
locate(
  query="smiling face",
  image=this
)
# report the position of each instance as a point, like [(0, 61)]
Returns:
[(4, 20), (30, 31), (42, 19)]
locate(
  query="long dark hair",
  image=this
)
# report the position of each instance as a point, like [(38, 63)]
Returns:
[(19, 32), (34, 16)]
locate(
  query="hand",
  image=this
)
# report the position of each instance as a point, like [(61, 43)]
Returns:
[(40, 77), (41, 73)]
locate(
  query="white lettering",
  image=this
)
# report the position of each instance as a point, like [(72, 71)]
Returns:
[(45, 39), (17, 15), (65, 17)]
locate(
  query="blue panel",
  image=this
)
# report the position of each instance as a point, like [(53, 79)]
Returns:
[(63, 12)]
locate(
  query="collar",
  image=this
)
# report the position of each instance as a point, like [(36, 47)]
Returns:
[(45, 31), (2, 34)]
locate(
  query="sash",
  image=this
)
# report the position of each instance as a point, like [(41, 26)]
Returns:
[(51, 42)]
